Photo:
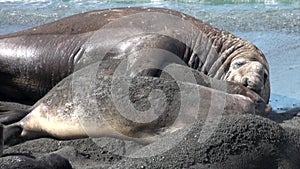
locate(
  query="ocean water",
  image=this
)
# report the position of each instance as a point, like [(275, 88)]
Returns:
[(272, 25)]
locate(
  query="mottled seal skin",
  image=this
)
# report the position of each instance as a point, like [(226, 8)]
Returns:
[(65, 114), (34, 60), (72, 109)]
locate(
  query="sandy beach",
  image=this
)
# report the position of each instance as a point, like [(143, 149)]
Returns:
[(244, 141)]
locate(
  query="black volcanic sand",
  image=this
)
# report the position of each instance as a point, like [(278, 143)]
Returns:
[(238, 142)]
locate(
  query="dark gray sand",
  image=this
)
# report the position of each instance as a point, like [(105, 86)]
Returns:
[(238, 142)]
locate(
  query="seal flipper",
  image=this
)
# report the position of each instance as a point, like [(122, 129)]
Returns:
[(15, 134), (12, 134), (7, 106), (11, 112), (12, 116)]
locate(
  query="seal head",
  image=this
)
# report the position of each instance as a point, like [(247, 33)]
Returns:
[(250, 71)]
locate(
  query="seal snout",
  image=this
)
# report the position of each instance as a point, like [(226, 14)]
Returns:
[(251, 74), (253, 83), (245, 81)]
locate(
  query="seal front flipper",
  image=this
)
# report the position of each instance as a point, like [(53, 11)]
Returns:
[(12, 134), (7, 106), (12, 116), (11, 112)]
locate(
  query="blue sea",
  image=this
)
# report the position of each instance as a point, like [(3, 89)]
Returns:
[(272, 25)]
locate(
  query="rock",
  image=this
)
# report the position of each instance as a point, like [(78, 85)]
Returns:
[(50, 161), (1, 140), (82, 153), (234, 141), (238, 142)]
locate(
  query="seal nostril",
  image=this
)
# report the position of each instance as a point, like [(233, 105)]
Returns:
[(245, 82), (265, 77), (259, 101)]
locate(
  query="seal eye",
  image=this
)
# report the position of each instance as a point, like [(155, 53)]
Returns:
[(237, 64)]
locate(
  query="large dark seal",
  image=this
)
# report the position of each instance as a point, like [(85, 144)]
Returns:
[(147, 40), (34, 60)]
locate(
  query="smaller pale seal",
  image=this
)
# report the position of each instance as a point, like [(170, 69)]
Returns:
[(63, 114)]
